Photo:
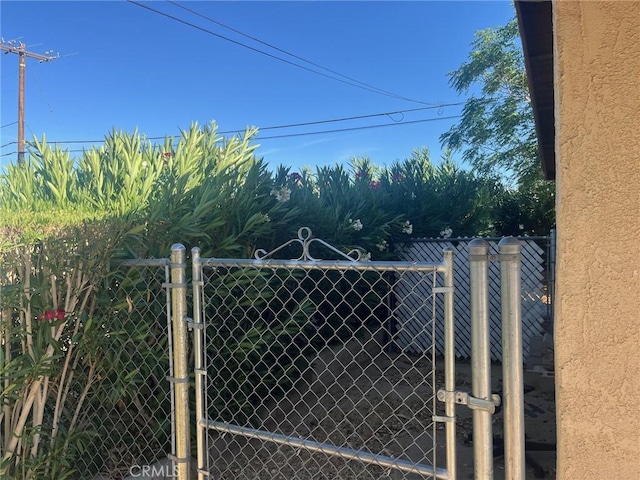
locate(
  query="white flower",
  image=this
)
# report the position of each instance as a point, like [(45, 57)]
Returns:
[(366, 257), (407, 228), (446, 233), (356, 224), (382, 246), (283, 194), (145, 164)]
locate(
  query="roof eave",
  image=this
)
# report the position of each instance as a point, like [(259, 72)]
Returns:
[(536, 30)]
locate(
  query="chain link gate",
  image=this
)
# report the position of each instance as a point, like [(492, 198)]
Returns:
[(298, 375), (298, 371)]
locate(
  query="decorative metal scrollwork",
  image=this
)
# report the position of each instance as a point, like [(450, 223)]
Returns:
[(305, 240)]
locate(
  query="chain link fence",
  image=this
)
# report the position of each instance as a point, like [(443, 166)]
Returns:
[(128, 413), (304, 376), (85, 393), (131, 407)]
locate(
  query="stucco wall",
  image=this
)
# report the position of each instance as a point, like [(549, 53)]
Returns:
[(597, 75)]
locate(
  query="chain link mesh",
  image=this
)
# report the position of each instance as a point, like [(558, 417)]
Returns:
[(84, 360), (130, 405), (312, 354)]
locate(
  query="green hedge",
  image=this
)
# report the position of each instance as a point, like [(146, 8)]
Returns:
[(66, 221)]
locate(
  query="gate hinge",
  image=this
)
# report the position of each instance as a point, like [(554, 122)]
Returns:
[(464, 398)]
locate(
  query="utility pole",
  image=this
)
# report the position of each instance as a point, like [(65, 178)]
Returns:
[(20, 49)]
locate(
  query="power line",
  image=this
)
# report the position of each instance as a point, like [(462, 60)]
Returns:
[(42, 91), (366, 127), (32, 134), (363, 87), (288, 135), (292, 125), (358, 117), (293, 54)]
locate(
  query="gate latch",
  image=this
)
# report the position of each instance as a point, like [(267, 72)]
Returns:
[(464, 398), (191, 325)]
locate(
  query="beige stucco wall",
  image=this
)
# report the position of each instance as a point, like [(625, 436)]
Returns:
[(597, 75)]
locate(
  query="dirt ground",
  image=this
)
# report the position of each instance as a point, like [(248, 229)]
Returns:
[(360, 398)]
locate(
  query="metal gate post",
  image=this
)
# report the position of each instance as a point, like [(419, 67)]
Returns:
[(449, 364), (481, 358), (512, 371), (178, 288), (200, 368)]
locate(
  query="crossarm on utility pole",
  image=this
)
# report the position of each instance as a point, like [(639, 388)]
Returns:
[(20, 49)]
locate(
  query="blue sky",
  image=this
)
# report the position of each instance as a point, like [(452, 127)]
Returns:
[(125, 66)]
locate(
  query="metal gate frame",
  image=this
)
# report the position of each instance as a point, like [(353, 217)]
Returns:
[(351, 261), (481, 401)]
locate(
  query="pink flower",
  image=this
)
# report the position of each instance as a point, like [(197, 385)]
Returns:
[(167, 154), (295, 177), (374, 184), (58, 314), (397, 178), (359, 174)]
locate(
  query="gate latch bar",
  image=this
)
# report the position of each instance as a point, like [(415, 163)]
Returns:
[(191, 325), (464, 398)]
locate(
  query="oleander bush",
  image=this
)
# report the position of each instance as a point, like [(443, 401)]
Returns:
[(84, 344)]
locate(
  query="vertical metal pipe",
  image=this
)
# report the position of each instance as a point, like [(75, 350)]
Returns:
[(167, 279), (481, 357), (200, 368), (181, 375), (512, 370), (449, 363)]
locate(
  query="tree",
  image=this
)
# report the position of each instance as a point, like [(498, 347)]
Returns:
[(497, 130), (528, 210)]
